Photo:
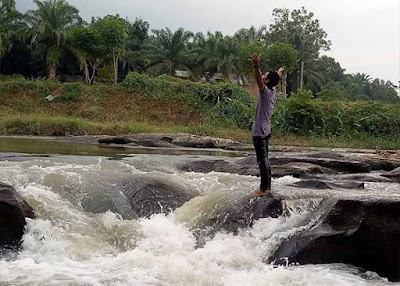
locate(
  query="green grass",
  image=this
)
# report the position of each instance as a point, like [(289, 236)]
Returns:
[(54, 126), (145, 105)]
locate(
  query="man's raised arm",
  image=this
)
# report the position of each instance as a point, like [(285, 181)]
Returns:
[(255, 59)]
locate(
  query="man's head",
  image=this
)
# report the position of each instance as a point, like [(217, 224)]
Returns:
[(271, 79)]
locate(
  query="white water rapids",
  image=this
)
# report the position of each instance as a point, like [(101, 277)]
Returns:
[(76, 241)]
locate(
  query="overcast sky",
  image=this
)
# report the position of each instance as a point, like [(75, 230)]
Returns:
[(365, 34)]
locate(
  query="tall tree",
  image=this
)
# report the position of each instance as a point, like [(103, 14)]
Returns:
[(49, 23), (302, 31), (282, 55), (169, 51), (87, 45), (220, 54), (322, 71), (10, 25), (135, 49), (251, 34), (113, 31)]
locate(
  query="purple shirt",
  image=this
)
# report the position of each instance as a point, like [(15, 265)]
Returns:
[(265, 108)]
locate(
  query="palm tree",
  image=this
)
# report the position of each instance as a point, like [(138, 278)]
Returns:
[(252, 34), (358, 85), (50, 22), (10, 26), (220, 54), (169, 51)]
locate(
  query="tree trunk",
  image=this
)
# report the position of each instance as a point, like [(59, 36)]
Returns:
[(284, 82), (0, 65), (301, 74), (94, 67), (115, 60), (86, 71), (52, 72)]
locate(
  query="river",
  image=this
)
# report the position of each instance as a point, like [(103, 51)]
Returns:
[(87, 234)]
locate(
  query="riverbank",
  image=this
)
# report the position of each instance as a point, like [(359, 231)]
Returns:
[(145, 105), (43, 125)]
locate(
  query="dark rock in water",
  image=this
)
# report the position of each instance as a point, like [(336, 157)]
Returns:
[(364, 234), (243, 215), (334, 164), (299, 170), (320, 185), (200, 166), (194, 141), (115, 140), (13, 211), (149, 196), (234, 215), (207, 166), (377, 178), (330, 155), (158, 143), (394, 175)]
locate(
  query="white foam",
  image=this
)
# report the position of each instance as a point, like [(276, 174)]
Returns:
[(67, 246)]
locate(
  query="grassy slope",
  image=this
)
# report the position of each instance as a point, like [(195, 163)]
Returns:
[(103, 109)]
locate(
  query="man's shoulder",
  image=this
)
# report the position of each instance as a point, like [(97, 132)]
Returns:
[(267, 91)]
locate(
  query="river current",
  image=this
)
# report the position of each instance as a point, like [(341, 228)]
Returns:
[(86, 234)]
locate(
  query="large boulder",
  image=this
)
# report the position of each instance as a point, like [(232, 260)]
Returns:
[(217, 165), (13, 211), (299, 170), (296, 169), (148, 196), (362, 233), (339, 165), (246, 212), (194, 141), (209, 214), (394, 175), (321, 185), (362, 177)]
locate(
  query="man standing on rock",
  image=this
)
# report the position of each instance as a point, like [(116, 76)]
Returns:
[(262, 125)]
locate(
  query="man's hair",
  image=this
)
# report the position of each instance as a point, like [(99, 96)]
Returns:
[(273, 78)]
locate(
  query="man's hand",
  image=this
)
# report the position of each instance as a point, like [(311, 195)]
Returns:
[(280, 71), (255, 59)]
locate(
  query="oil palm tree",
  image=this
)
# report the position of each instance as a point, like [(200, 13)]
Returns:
[(10, 27), (220, 54), (50, 23), (169, 51)]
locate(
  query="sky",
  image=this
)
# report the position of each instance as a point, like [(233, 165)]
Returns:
[(365, 34)]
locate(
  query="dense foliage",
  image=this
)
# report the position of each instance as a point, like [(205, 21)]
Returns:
[(336, 118), (227, 103), (222, 105), (53, 41)]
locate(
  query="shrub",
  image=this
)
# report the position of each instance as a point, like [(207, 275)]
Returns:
[(72, 91), (226, 103)]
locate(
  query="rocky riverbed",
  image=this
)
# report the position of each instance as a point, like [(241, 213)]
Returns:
[(330, 206)]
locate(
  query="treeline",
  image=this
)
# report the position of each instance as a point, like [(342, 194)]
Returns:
[(53, 40)]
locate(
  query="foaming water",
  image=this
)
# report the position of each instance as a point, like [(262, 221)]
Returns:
[(70, 244)]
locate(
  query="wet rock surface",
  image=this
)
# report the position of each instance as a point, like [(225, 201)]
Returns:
[(148, 196), (320, 185), (13, 211), (362, 233), (394, 175), (174, 140)]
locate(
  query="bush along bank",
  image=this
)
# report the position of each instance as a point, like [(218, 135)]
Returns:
[(24, 110), (336, 118), (224, 103), (294, 116)]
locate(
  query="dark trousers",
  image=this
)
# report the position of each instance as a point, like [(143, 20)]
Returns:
[(261, 147)]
